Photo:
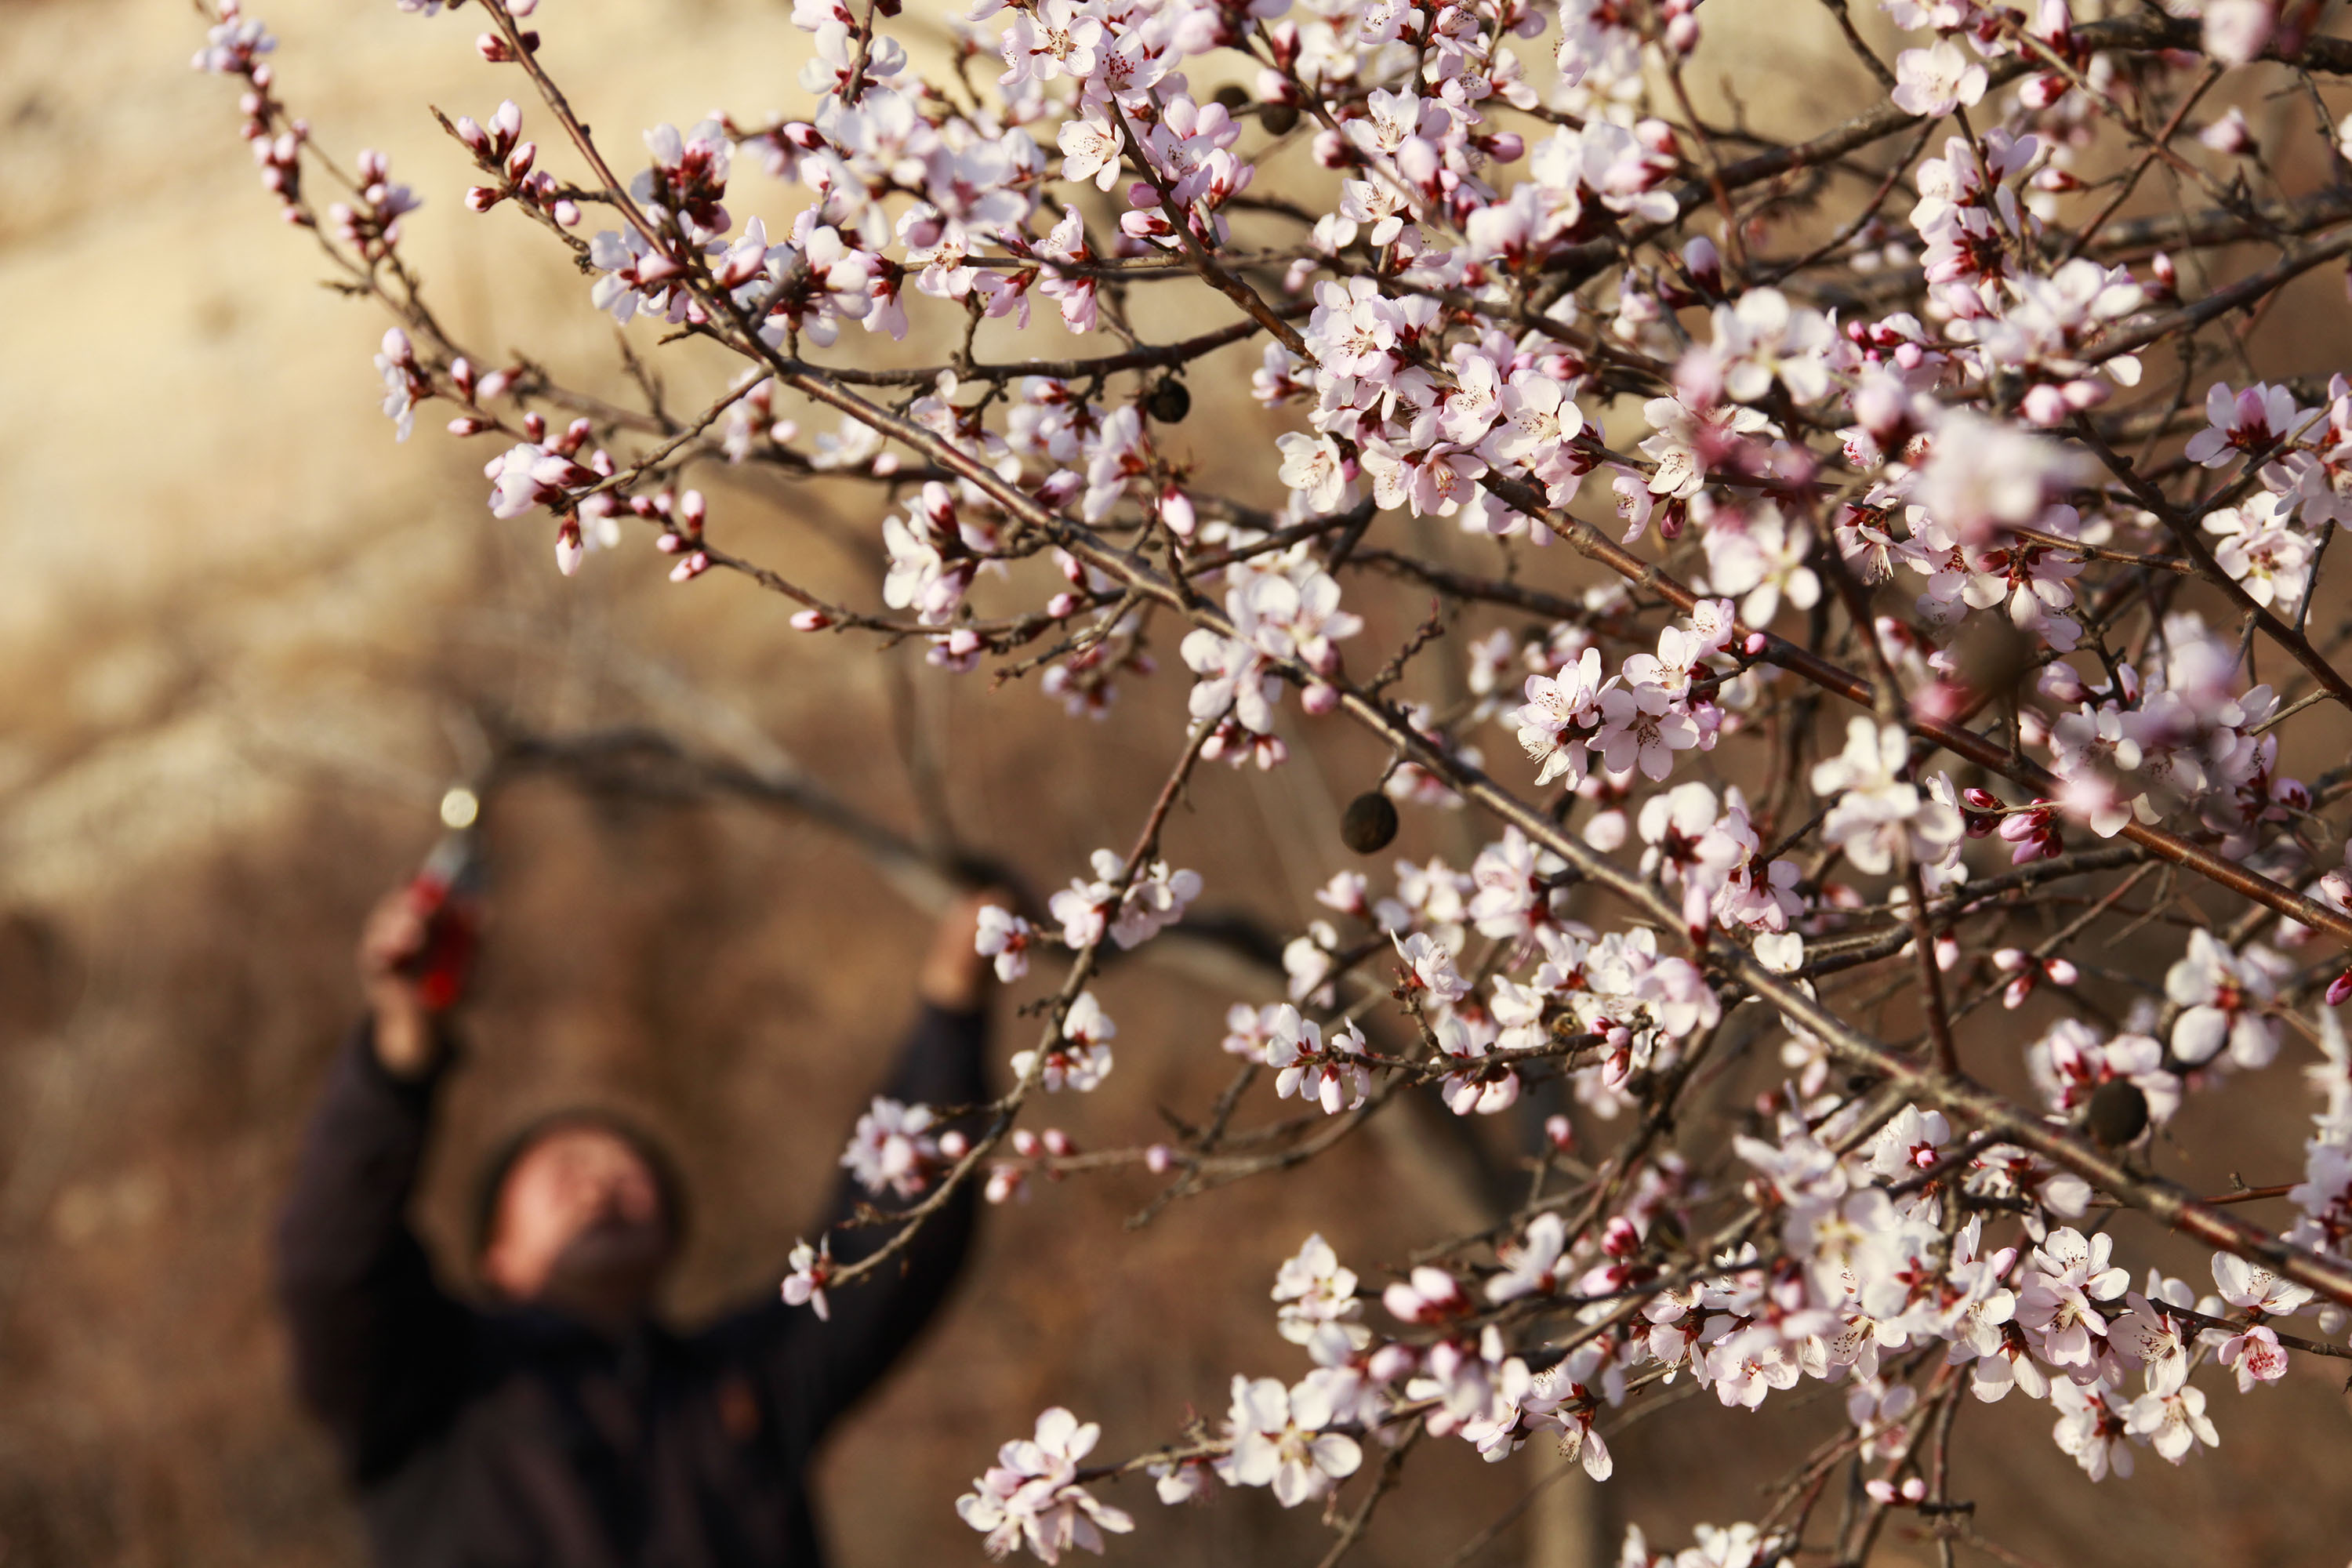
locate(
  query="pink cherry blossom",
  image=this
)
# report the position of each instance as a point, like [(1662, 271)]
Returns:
[(1031, 1498)]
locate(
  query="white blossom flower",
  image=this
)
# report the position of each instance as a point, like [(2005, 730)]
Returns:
[(1557, 705), (2093, 1428), (2222, 995), (2257, 1355), (2236, 30), (1432, 967), (1531, 1266), (1081, 1060), (1292, 1044), (2173, 1423), (2249, 1287), (1641, 727), (2261, 551), (1932, 82), (1764, 337), (1983, 477), (892, 1147), (810, 1268), (1031, 1498), (1280, 1440), (2068, 1282), (1312, 465), (1319, 1297), (1004, 937), (2247, 422), (1874, 812)]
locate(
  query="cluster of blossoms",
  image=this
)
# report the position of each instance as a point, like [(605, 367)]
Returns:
[(894, 1150), (1029, 1495), (1131, 909), (1962, 618)]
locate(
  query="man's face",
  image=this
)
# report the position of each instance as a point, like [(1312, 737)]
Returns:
[(579, 1226)]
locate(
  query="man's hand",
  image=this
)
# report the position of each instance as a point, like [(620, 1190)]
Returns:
[(406, 1042), (955, 976)]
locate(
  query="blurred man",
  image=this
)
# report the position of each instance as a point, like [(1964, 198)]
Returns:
[(558, 1422)]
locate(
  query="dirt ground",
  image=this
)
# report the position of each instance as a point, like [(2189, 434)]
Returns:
[(246, 641)]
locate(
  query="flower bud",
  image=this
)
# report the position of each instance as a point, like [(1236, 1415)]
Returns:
[(1704, 263), (2045, 404), (1176, 512), (1605, 831), (2229, 135), (2083, 393), (811, 621)]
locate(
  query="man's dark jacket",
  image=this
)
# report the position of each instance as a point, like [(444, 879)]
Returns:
[(517, 1437)]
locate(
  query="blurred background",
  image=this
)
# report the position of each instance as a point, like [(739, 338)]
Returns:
[(245, 642)]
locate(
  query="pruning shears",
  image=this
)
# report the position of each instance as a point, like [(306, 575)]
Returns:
[(446, 891)]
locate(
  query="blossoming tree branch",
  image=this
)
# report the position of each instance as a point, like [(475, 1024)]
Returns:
[(1963, 584)]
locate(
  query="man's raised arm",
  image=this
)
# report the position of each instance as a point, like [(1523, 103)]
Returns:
[(379, 1348), (820, 1367)]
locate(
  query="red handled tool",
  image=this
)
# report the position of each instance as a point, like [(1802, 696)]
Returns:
[(445, 892)]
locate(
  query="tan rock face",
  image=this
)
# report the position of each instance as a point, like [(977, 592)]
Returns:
[(245, 640)]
